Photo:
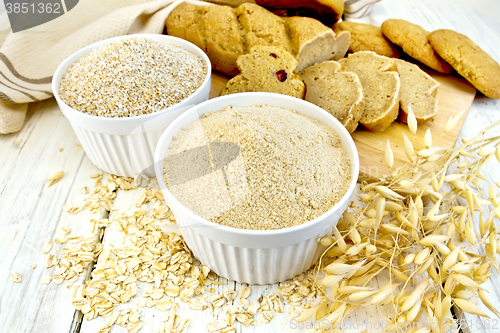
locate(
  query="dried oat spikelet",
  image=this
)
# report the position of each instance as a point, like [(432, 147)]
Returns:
[(389, 156), (428, 138), (486, 301), (453, 121), (411, 120), (339, 268), (54, 178), (415, 296), (470, 307), (409, 151)]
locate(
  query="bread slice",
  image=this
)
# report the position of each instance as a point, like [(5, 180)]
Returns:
[(266, 69), (223, 39), (381, 87), (339, 93), (325, 46), (419, 90), (261, 27)]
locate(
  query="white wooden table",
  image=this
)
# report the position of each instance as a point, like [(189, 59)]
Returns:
[(32, 213)]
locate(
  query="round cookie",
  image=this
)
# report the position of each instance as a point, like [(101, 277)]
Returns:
[(366, 37), (413, 39), (469, 60)]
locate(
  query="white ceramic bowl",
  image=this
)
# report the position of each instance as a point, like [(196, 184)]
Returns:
[(125, 146), (255, 256)]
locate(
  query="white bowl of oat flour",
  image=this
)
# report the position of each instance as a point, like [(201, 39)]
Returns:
[(121, 93), (253, 180)]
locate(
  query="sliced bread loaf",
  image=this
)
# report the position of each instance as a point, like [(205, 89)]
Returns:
[(339, 93), (266, 69), (418, 90), (381, 87)]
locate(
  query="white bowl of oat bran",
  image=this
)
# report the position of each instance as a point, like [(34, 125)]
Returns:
[(214, 180), (120, 94)]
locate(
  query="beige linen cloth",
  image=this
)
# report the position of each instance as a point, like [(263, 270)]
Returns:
[(29, 58)]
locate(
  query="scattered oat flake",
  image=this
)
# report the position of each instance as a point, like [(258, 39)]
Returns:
[(66, 230), (33, 266), (16, 277), (47, 247), (45, 280), (60, 240)]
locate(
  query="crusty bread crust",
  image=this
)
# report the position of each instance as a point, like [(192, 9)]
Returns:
[(302, 29), (184, 22), (225, 45)]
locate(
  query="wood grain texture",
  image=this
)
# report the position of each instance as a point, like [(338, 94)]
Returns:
[(32, 214)]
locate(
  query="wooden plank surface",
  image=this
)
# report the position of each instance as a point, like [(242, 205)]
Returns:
[(369, 317), (32, 214)]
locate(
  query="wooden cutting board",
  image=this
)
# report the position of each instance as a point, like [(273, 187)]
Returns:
[(454, 95)]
